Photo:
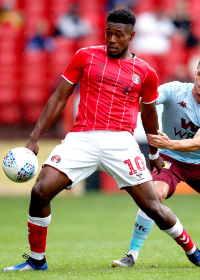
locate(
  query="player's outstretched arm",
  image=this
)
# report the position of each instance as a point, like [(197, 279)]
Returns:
[(185, 145), (150, 123), (53, 109)]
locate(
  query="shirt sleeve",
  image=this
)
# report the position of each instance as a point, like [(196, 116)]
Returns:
[(149, 92), (165, 92), (74, 70)]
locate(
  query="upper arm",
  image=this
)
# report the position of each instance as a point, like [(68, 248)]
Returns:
[(149, 92), (64, 91), (71, 77), (165, 92), (74, 70)]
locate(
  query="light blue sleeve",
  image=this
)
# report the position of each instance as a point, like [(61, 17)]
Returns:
[(166, 91)]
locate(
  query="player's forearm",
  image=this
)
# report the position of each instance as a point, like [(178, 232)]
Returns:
[(185, 145), (150, 122), (53, 109), (50, 114)]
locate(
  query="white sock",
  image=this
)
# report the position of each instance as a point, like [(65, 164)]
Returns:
[(42, 222), (134, 254), (37, 256), (176, 230)]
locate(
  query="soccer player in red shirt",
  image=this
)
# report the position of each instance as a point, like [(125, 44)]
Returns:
[(111, 80)]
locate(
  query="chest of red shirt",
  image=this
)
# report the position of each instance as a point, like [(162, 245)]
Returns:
[(113, 76)]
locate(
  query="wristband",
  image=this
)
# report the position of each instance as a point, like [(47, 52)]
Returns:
[(153, 157)]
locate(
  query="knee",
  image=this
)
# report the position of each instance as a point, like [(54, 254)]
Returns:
[(161, 190), (161, 196), (153, 209), (39, 194)]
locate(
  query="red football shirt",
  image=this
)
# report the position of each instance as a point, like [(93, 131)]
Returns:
[(110, 89)]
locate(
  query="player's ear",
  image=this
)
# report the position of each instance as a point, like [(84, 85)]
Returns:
[(132, 35)]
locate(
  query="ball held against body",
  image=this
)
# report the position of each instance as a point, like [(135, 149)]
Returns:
[(20, 164)]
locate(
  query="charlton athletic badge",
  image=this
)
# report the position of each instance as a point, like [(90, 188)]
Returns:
[(136, 79), (56, 159)]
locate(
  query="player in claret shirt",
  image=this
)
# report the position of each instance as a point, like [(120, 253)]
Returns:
[(111, 80)]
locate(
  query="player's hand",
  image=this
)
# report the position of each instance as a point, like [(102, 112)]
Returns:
[(159, 141), (33, 146), (157, 163)]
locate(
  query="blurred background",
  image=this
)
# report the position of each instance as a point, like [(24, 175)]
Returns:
[(38, 38)]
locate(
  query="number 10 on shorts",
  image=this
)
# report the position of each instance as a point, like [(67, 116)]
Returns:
[(139, 164)]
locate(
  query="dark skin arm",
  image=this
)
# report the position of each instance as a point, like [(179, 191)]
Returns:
[(53, 109), (140, 104), (150, 123)]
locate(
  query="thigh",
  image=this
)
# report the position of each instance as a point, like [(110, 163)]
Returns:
[(162, 190), (168, 177), (50, 182), (172, 173), (122, 159), (145, 196), (76, 156)]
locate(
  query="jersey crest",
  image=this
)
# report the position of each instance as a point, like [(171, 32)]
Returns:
[(167, 164), (136, 79)]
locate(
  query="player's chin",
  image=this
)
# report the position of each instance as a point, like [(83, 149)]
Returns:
[(112, 53)]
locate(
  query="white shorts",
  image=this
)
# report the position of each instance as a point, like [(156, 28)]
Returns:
[(116, 153)]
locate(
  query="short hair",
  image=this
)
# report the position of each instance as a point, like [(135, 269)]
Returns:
[(124, 15), (198, 64)]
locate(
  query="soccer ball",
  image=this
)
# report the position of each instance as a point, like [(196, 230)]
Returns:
[(20, 165)]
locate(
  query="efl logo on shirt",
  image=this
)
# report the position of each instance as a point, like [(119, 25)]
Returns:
[(136, 79)]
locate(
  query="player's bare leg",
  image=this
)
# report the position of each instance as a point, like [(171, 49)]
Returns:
[(49, 183), (144, 196), (142, 227)]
